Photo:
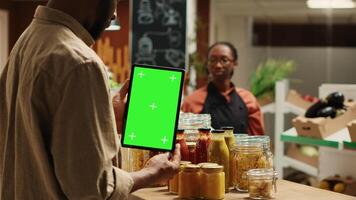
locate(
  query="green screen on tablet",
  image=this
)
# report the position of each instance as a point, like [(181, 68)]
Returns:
[(153, 106)]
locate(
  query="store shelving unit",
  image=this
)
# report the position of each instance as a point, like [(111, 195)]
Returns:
[(335, 151)]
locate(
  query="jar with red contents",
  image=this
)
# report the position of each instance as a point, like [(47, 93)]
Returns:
[(184, 151), (203, 145)]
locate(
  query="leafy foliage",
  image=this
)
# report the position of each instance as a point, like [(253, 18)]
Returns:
[(268, 73)]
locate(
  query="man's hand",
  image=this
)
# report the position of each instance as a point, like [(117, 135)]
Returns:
[(119, 103), (158, 169)]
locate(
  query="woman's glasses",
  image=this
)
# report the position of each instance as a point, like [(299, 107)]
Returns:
[(223, 61)]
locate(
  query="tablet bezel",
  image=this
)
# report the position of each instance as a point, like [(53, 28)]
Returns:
[(128, 105)]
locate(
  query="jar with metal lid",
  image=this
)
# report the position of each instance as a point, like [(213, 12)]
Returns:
[(203, 145), (174, 182), (247, 155), (266, 144), (213, 182), (262, 183), (189, 182), (219, 153)]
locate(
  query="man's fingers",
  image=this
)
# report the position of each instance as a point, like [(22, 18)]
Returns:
[(124, 89), (176, 155)]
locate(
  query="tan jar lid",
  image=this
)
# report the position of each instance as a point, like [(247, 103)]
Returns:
[(191, 168), (212, 168), (207, 163)]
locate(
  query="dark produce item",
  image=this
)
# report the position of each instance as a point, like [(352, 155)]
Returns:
[(313, 110), (327, 112), (336, 100)]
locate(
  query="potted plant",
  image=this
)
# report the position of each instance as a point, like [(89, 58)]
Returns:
[(267, 74)]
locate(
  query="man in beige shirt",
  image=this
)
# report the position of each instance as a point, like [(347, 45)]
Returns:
[(57, 129)]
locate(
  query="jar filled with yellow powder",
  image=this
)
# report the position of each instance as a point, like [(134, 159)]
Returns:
[(189, 182), (248, 155), (174, 182), (213, 182)]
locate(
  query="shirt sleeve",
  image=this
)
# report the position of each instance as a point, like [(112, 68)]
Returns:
[(255, 116), (84, 140)]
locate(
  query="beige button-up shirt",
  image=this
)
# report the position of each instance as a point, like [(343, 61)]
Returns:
[(57, 129)]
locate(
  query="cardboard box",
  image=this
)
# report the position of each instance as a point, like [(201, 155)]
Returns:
[(296, 99), (293, 151), (320, 127), (352, 130)]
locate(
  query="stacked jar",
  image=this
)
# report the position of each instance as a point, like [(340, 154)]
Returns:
[(248, 154), (219, 153)]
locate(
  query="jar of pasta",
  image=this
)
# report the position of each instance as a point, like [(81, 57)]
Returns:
[(212, 182), (189, 182), (219, 153), (262, 183), (266, 144), (248, 155), (174, 182)]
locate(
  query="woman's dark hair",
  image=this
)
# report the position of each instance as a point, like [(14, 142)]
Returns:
[(235, 56)]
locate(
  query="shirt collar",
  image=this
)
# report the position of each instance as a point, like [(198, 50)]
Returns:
[(59, 17)]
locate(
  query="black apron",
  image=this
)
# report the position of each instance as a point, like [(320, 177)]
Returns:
[(222, 113)]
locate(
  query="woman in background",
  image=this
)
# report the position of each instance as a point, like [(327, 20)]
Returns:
[(227, 104)]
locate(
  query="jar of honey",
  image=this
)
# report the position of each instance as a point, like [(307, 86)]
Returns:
[(174, 182), (212, 182), (189, 182)]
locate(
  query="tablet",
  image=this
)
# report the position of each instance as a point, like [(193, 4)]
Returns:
[(152, 108)]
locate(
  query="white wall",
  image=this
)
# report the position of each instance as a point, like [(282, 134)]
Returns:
[(315, 65), (4, 37)]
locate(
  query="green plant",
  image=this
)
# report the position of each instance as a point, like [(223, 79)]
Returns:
[(198, 64), (268, 73)]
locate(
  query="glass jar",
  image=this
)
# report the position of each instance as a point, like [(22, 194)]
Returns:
[(134, 159), (262, 183), (189, 182), (247, 155), (203, 145), (219, 153), (174, 182), (213, 182), (266, 143), (230, 142), (192, 150), (180, 138)]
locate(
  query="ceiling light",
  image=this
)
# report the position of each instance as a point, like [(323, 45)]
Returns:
[(330, 4)]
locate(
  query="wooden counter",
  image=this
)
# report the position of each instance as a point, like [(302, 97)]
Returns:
[(286, 191)]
